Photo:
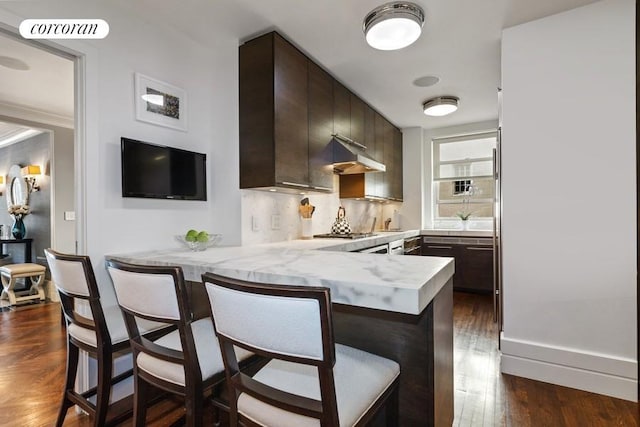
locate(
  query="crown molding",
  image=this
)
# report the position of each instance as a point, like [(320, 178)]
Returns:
[(35, 115)]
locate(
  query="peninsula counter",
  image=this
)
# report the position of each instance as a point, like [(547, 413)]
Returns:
[(399, 307)]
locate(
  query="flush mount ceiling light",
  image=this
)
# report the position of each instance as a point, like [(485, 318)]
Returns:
[(393, 25), (14, 63), (440, 106)]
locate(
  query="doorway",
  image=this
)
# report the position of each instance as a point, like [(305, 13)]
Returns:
[(37, 105)]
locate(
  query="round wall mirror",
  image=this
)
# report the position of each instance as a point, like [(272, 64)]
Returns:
[(18, 191)]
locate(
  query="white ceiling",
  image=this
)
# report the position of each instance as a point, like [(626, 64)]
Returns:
[(460, 44), (47, 86)]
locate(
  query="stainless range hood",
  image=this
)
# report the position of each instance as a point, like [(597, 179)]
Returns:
[(349, 157)]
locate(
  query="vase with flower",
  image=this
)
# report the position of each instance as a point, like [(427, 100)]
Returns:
[(464, 218), (466, 212), (18, 212)]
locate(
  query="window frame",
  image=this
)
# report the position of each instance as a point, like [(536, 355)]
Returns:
[(436, 179)]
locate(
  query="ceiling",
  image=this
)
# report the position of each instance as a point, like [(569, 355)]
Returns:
[(46, 85), (460, 44)]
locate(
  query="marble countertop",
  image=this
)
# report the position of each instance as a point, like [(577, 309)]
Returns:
[(404, 284)]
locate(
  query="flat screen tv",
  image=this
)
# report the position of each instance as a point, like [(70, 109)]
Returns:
[(158, 172)]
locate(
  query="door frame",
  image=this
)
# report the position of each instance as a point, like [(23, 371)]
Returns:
[(637, 201), (84, 58)]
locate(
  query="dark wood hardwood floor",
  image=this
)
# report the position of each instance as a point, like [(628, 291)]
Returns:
[(485, 397), (32, 354)]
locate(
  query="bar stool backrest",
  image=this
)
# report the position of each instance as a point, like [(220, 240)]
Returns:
[(291, 323), (74, 279)]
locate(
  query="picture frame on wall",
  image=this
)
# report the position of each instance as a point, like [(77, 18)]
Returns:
[(160, 103)]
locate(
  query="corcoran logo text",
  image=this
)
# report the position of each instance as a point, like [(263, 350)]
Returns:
[(64, 29)]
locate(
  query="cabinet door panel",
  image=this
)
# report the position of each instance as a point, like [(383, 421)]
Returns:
[(256, 100), (477, 267), (380, 147), (357, 119), (370, 141), (388, 159), (341, 110), (396, 172), (320, 127), (290, 116)]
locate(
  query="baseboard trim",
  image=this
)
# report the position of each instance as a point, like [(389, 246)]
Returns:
[(597, 373)]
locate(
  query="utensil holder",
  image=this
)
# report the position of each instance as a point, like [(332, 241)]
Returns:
[(307, 228)]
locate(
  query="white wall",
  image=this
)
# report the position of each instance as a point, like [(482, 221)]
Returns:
[(414, 173), (63, 233), (569, 148), (210, 78)]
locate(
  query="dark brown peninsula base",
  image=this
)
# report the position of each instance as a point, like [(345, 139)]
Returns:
[(422, 345)]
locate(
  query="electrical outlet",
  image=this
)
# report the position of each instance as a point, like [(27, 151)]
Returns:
[(275, 222), (69, 215), (255, 226)]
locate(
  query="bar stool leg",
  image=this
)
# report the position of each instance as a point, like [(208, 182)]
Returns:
[(140, 401), (105, 366), (72, 369)]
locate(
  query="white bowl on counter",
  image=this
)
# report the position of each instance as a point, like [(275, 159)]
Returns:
[(195, 246)]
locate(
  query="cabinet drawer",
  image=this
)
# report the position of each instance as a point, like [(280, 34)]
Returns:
[(473, 261)]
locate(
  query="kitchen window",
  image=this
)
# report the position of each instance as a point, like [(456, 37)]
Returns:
[(463, 176)]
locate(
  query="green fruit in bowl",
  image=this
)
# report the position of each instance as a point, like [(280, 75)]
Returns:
[(202, 237), (191, 236)]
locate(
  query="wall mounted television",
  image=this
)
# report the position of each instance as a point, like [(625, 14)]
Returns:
[(159, 172)]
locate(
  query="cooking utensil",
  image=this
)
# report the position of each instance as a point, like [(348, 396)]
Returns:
[(306, 210)]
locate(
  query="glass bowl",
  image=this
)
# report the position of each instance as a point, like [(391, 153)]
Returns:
[(200, 246)]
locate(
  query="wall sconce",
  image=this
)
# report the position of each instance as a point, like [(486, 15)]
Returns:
[(29, 173), (1, 183)]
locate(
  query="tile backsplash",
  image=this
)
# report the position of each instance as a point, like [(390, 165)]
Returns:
[(273, 217)]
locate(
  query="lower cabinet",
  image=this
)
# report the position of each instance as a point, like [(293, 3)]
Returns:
[(473, 260)]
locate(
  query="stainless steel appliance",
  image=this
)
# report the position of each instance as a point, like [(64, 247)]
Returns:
[(396, 247), (349, 157), (412, 245)]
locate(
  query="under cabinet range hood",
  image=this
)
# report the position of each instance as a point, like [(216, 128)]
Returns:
[(349, 157)]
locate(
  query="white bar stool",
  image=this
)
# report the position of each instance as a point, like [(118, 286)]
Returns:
[(11, 272)]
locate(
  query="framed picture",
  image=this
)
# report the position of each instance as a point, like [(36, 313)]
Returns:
[(160, 103)]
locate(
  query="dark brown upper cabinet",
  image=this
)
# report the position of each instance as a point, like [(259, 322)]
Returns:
[(375, 150), (357, 120), (384, 144), (395, 174), (320, 127), (289, 109), (341, 110), (274, 115)]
